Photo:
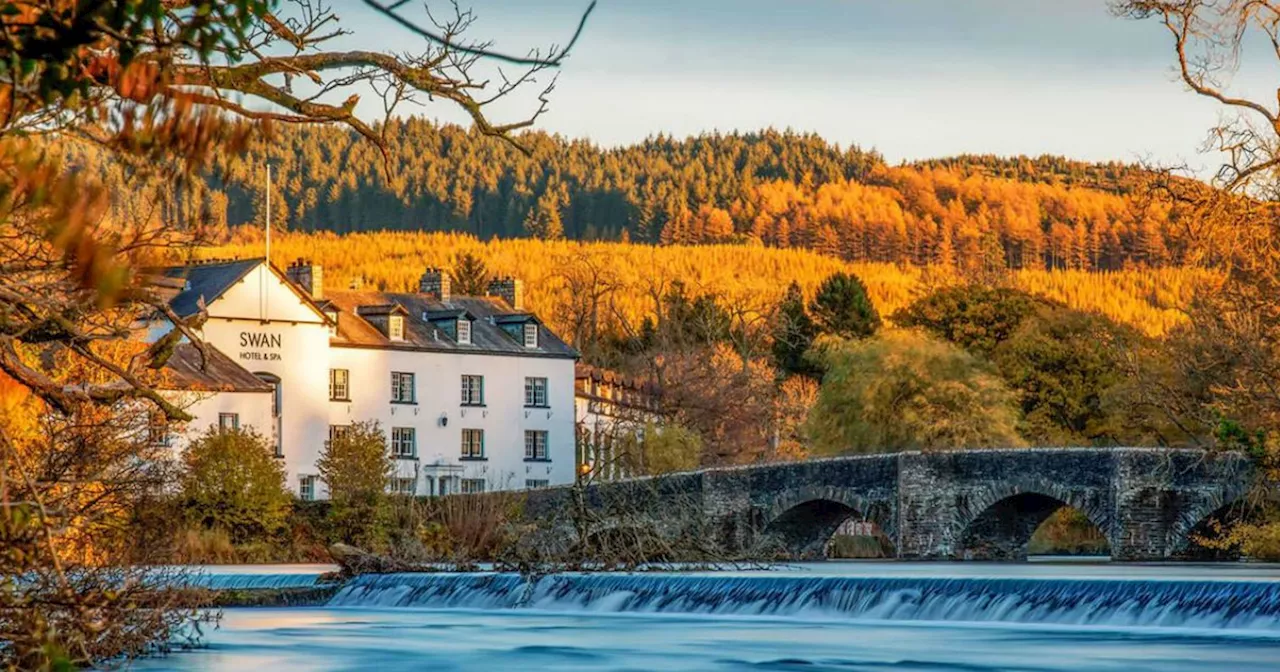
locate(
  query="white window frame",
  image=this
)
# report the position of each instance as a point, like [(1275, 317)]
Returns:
[(472, 444), (463, 329), (398, 380), (339, 385), (395, 327), (307, 487), (228, 421), (404, 442), (336, 431), (158, 433), (472, 390), (404, 485), (535, 444), (471, 486), (534, 483), (530, 334), (535, 392)]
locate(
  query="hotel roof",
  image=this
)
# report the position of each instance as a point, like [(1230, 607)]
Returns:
[(423, 333), (206, 281), (221, 374)]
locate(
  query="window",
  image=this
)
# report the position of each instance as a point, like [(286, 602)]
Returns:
[(333, 322), (464, 330), (338, 431), (471, 486), (228, 421), (535, 444), (276, 408), (532, 483), (404, 486), (473, 390), (402, 391), (473, 444), (531, 335), (395, 327), (535, 392), (404, 442), (158, 430), (307, 488), (339, 385)]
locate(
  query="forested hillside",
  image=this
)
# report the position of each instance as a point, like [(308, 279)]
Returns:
[(611, 287), (780, 189)]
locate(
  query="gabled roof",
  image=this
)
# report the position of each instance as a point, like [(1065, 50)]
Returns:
[(207, 280), (516, 318), (382, 309), (221, 374), (487, 336), (447, 314)]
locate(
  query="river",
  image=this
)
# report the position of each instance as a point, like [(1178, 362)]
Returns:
[(813, 617)]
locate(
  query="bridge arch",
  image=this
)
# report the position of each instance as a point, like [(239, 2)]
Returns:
[(1225, 505), (800, 522), (998, 523)]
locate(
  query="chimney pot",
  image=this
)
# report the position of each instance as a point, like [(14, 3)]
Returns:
[(436, 283), (509, 289), (308, 276)]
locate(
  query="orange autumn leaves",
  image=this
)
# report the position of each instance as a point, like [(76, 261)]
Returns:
[(627, 274)]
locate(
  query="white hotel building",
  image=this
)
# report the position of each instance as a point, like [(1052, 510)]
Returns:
[(472, 392)]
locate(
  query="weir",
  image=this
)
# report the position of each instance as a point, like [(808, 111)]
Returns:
[(1237, 605), (247, 581)]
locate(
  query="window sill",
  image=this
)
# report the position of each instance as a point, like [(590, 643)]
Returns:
[(473, 459), (472, 405), (406, 458), (542, 407), (346, 400), (538, 459), (405, 403)]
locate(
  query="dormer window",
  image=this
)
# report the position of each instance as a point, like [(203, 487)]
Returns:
[(464, 331), (530, 335), (387, 318)]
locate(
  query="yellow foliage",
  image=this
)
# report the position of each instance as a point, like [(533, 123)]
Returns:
[(1150, 299)]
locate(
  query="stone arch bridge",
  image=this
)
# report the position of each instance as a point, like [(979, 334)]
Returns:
[(977, 504)]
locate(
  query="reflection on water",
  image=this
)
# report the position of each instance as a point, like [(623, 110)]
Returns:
[(596, 636)]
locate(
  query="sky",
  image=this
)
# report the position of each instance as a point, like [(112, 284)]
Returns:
[(911, 79)]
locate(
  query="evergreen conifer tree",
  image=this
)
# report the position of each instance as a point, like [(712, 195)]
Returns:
[(793, 334), (842, 308)]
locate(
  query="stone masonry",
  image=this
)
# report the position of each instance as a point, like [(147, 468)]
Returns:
[(961, 505)]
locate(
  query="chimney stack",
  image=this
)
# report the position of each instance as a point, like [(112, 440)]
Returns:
[(435, 282), (308, 276), (508, 289)]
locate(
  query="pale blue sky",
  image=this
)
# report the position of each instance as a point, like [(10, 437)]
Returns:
[(911, 78)]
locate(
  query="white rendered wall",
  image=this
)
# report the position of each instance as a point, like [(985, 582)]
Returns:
[(504, 418), (285, 337), (264, 326), (254, 409)]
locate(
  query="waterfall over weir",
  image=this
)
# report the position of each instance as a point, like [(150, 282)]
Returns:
[(238, 581), (1142, 603)]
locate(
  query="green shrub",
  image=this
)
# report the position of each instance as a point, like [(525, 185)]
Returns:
[(356, 466), (906, 391), (232, 482)]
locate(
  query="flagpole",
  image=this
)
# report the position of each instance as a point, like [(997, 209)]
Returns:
[(263, 289), (268, 213)]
